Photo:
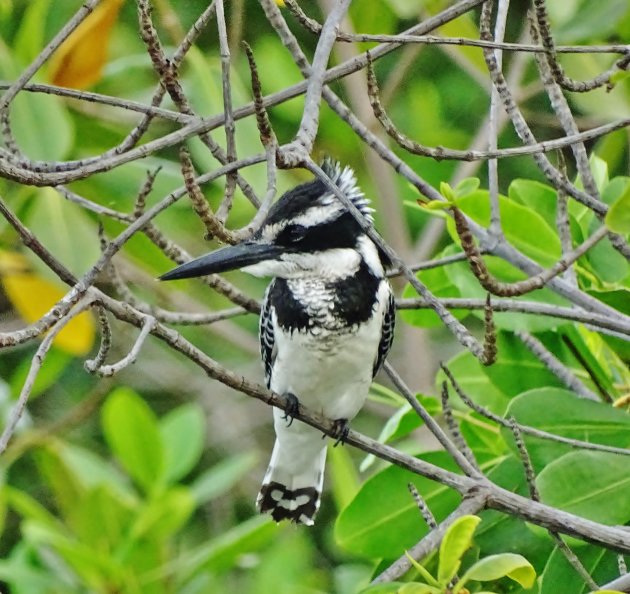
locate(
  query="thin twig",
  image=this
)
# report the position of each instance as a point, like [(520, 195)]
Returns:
[(425, 511), (229, 127), (130, 358), (563, 373), (484, 412), (36, 364)]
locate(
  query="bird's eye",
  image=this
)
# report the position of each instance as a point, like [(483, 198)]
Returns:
[(295, 233)]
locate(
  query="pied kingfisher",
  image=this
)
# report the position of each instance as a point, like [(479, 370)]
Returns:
[(326, 325)]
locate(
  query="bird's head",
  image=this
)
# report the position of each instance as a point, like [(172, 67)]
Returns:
[(308, 232)]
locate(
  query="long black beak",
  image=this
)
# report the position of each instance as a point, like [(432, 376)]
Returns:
[(224, 259)]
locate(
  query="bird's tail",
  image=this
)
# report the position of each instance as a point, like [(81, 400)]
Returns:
[(292, 487)]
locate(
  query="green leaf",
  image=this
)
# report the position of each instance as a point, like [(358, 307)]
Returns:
[(23, 577), (424, 573), (383, 520), (456, 542), (63, 483), (42, 127), (389, 588), (29, 38), (472, 378), (414, 588), (345, 480), (65, 229), (593, 485), (93, 471), (524, 228), (222, 477), (164, 514), (600, 564), (560, 412), (467, 186), (29, 508), (94, 568), (460, 276), (57, 362), (516, 567), (438, 282), (221, 553), (401, 423), (114, 513), (499, 532), (447, 192), (183, 437), (132, 433), (618, 216), (538, 196)]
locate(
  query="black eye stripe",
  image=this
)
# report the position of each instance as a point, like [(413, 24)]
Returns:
[(341, 232)]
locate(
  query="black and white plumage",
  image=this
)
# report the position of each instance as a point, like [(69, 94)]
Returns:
[(326, 325)]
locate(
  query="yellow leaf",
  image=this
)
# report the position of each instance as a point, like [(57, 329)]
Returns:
[(280, 3), (78, 62), (32, 296)]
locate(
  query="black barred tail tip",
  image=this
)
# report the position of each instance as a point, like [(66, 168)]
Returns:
[(299, 505)]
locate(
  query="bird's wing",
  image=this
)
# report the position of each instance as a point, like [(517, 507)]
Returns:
[(387, 333), (267, 336)]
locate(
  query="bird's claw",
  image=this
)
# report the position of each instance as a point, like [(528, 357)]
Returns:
[(340, 431), (291, 408)]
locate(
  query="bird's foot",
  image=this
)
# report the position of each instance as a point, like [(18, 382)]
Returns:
[(291, 408), (340, 430)]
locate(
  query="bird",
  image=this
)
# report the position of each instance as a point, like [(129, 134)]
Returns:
[(326, 325)]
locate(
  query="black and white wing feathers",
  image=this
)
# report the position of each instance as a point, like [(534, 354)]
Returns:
[(267, 336), (387, 334)]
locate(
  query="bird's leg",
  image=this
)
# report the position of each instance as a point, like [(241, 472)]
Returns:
[(340, 430), (291, 408)]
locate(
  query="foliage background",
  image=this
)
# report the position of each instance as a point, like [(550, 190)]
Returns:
[(145, 482)]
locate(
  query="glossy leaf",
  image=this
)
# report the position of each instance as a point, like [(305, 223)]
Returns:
[(345, 480), (560, 412), (41, 126), (593, 485), (471, 377), (600, 564), (538, 196), (456, 542), (495, 567), (618, 216), (132, 433), (383, 520), (65, 229), (524, 228)]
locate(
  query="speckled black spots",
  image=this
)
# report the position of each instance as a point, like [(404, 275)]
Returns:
[(340, 303), (291, 314)]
